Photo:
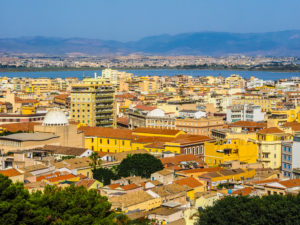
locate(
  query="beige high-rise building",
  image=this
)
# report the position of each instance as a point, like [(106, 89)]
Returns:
[(92, 103)]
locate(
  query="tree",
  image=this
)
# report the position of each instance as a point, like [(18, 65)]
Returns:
[(104, 175), (96, 161), (139, 165), (267, 210), (71, 205)]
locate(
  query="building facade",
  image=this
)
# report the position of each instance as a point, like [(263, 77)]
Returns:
[(93, 104), (290, 157)]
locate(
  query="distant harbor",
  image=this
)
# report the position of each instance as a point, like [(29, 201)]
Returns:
[(265, 75)]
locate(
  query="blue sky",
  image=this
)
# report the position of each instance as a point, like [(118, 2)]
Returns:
[(126, 20)]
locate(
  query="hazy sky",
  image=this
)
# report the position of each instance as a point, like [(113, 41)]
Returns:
[(133, 19)]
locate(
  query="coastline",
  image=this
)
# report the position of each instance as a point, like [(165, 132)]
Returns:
[(52, 69)]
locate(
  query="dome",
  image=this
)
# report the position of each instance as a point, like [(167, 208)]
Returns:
[(55, 117), (156, 113)]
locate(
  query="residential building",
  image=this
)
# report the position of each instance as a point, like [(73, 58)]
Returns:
[(269, 146), (202, 126), (244, 113), (290, 157), (151, 117), (220, 152), (92, 103)]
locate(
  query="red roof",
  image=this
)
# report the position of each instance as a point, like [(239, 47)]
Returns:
[(180, 158), (145, 107), (244, 191), (189, 181), (10, 172), (61, 178), (114, 186), (129, 187), (271, 130)]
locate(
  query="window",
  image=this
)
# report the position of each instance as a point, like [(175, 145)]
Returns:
[(284, 165), (289, 149), (122, 142), (107, 141), (289, 158), (185, 151)]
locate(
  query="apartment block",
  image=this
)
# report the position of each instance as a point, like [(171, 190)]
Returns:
[(244, 113), (93, 104), (290, 157)]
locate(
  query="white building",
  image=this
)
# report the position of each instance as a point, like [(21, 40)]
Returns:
[(290, 157), (244, 113)]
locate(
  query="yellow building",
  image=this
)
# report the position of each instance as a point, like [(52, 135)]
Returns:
[(269, 141), (221, 151), (92, 103), (150, 139), (107, 139), (279, 117), (137, 200), (227, 175), (266, 104), (194, 186)]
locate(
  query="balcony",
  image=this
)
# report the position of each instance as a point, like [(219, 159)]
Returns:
[(104, 101), (104, 123), (102, 117), (108, 106)]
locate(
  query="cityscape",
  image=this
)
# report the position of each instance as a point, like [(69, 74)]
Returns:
[(114, 132)]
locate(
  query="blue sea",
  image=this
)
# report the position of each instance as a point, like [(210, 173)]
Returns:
[(265, 75)]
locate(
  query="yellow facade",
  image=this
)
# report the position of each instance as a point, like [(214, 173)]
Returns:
[(108, 144), (217, 153), (278, 117), (92, 104), (269, 148), (247, 174), (28, 110)]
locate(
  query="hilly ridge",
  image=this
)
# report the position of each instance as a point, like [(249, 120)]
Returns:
[(281, 43)]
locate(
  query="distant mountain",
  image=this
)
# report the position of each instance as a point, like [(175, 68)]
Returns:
[(282, 43)]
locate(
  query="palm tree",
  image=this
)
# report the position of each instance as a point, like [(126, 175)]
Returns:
[(95, 161)]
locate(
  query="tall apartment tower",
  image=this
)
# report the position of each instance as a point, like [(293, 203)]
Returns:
[(92, 103)]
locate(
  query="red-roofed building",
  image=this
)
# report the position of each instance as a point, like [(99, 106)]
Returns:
[(13, 174)]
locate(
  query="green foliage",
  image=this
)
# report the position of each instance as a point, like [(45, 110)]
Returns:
[(71, 205), (104, 175), (4, 133), (267, 210), (68, 157), (96, 161), (139, 165)]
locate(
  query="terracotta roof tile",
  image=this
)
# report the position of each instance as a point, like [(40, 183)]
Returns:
[(145, 107), (244, 191), (247, 124), (25, 127), (290, 183), (129, 187), (10, 172), (265, 181), (87, 183), (156, 131), (189, 181), (107, 132), (61, 178), (114, 186), (271, 130)]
